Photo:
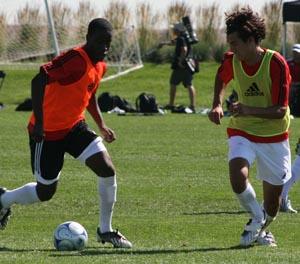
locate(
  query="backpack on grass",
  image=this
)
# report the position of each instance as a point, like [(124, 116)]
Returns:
[(107, 102), (146, 103)]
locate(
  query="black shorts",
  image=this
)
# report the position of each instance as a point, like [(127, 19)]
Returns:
[(47, 157), (181, 75)]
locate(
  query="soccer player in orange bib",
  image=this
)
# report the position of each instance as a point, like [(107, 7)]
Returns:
[(258, 126), (61, 92)]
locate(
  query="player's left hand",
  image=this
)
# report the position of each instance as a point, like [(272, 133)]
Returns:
[(108, 134)]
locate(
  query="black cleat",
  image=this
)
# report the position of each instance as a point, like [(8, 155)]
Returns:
[(115, 238)]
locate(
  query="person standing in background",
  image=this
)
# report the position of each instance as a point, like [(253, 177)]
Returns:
[(181, 73), (294, 66)]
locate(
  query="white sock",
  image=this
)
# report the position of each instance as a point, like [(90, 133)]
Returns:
[(248, 200), (107, 187), (295, 176), (23, 195)]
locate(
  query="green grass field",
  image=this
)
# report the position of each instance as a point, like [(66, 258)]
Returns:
[(174, 199)]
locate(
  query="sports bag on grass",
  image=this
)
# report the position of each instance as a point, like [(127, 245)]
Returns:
[(107, 102), (146, 103)]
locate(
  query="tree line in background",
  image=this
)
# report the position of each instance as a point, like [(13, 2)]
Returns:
[(30, 29)]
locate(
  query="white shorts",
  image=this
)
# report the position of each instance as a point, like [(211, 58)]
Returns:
[(93, 148), (273, 159)]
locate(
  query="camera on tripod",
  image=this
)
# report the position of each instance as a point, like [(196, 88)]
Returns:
[(189, 33)]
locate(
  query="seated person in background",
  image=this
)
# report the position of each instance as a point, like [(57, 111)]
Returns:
[(294, 65)]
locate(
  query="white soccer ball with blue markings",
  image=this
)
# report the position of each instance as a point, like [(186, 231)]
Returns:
[(70, 236)]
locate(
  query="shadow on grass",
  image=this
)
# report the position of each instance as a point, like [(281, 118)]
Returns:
[(100, 251), (90, 251), (216, 213), (16, 250)]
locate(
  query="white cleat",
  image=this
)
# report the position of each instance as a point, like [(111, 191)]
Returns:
[(286, 207), (251, 232), (266, 238)]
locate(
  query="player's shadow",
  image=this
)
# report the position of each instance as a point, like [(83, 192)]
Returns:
[(20, 250), (215, 213), (93, 251)]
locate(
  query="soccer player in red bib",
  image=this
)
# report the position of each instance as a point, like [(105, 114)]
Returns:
[(61, 92), (258, 126)]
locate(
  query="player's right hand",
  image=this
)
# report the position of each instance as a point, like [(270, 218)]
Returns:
[(38, 133), (216, 114)]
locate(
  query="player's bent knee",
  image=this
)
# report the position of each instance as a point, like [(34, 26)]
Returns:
[(105, 171), (108, 172), (45, 192), (101, 164)]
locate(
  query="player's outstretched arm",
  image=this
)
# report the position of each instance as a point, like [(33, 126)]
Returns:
[(94, 110), (216, 113)]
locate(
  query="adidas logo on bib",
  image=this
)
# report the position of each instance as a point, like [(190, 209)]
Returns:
[(253, 90)]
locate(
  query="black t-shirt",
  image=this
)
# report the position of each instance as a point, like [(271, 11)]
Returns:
[(180, 42)]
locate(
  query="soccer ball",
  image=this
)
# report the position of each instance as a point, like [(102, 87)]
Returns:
[(70, 236)]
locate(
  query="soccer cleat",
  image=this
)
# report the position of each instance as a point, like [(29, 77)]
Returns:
[(4, 212), (251, 232), (114, 237), (286, 207), (193, 109), (169, 107), (266, 238)]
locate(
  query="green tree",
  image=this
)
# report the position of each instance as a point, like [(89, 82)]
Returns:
[(147, 22), (271, 13), (62, 22), (29, 20), (2, 34)]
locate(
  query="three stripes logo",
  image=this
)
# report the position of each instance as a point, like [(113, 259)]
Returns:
[(253, 90)]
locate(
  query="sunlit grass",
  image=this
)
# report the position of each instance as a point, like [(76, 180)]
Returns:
[(174, 198)]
